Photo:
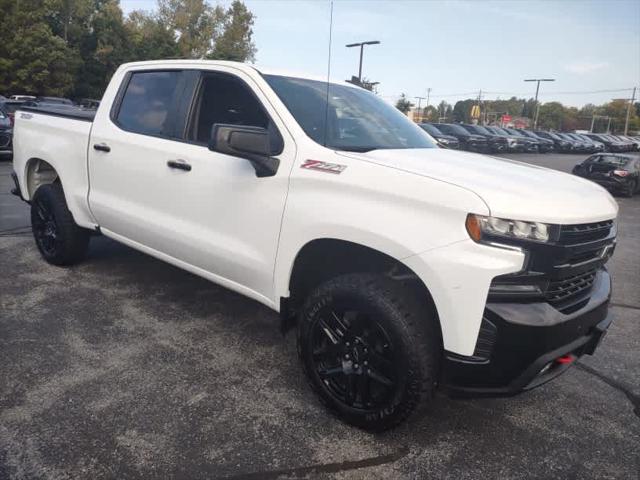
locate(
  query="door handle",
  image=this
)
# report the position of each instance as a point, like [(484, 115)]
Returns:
[(179, 164), (102, 147)]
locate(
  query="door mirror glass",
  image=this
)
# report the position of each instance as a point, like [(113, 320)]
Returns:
[(251, 143)]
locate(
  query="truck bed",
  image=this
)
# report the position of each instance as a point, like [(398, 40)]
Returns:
[(62, 111), (57, 137)]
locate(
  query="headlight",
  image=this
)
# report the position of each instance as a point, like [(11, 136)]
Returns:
[(446, 141), (480, 226), (512, 141)]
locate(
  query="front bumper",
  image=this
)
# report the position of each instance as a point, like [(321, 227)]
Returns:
[(523, 345)]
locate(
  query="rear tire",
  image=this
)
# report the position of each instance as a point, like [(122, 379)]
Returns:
[(59, 239), (371, 351)]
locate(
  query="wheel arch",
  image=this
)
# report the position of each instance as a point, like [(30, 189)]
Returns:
[(39, 172), (323, 258)]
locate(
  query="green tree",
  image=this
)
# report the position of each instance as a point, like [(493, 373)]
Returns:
[(403, 104), (197, 25), (149, 38), (550, 116), (235, 42), (102, 48), (32, 58)]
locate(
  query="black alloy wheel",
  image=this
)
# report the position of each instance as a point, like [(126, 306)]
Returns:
[(58, 238), (370, 347), (45, 230), (355, 358)]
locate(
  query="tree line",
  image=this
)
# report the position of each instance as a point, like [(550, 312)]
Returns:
[(72, 47), (552, 116)]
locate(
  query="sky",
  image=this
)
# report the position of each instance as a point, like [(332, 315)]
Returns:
[(456, 47)]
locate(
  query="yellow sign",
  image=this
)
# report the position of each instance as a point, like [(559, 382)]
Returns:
[(475, 111)]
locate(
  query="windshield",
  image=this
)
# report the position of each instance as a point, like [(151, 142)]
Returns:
[(355, 120), (450, 128), (482, 130), (430, 129)]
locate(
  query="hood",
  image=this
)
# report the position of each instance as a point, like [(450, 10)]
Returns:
[(510, 189)]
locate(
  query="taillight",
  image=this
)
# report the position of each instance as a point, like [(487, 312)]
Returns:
[(621, 173)]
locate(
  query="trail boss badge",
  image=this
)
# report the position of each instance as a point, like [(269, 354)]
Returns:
[(323, 166)]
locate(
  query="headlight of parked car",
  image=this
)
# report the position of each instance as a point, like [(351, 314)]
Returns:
[(444, 141), (479, 227)]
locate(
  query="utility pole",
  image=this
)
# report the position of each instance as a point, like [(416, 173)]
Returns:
[(419, 103), (538, 80), (626, 122), (361, 45)]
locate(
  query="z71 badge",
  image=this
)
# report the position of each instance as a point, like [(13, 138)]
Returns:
[(323, 166)]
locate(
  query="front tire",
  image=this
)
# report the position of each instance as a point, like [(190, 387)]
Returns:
[(58, 238), (370, 350)]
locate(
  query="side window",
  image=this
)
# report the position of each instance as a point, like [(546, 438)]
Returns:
[(147, 101), (223, 98)]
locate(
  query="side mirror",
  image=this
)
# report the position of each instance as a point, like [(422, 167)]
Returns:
[(250, 143)]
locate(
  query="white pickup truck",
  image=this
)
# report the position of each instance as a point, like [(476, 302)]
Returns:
[(406, 266)]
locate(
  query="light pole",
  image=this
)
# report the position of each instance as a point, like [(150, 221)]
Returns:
[(419, 105), (361, 45), (538, 80)]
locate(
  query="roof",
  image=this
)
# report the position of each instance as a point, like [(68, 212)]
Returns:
[(246, 67)]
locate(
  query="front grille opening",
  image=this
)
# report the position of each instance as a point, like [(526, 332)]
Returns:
[(564, 291), (585, 232)]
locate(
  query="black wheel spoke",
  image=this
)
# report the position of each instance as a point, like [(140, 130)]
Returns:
[(330, 372), (379, 362), (330, 332), (339, 322), (351, 389), (380, 378), (363, 388)]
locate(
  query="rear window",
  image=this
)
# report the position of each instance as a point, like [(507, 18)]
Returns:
[(611, 160), (147, 101)]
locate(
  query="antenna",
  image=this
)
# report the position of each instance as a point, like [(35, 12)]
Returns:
[(326, 108)]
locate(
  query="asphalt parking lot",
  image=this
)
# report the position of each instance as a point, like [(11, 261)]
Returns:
[(126, 367)]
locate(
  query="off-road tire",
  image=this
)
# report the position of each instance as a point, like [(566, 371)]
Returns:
[(413, 327), (71, 241)]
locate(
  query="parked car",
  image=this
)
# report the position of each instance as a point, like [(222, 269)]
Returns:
[(611, 144), (22, 98), (635, 144), (514, 143), (447, 141), (497, 143), (5, 134), (54, 101), (10, 107), (594, 146), (534, 145), (561, 145), (407, 266), (578, 145), (468, 141), (614, 171), (545, 143)]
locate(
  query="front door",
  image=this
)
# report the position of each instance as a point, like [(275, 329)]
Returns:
[(161, 187)]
